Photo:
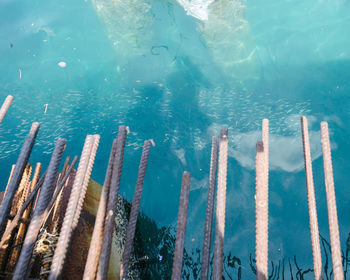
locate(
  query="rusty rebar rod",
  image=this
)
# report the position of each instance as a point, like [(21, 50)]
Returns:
[(24, 207), (86, 179), (210, 208), (96, 239), (36, 220), (57, 192), (261, 203), (5, 106), (181, 227), (220, 207), (16, 176), (22, 227), (315, 241), (112, 206), (130, 233), (331, 204), (74, 205)]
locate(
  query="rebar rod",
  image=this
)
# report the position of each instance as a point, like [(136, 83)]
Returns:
[(331, 204), (74, 205), (261, 203), (10, 177), (50, 223), (36, 220), (16, 176), (210, 208), (24, 207), (57, 192), (112, 206), (265, 140), (96, 239), (5, 106), (220, 207), (181, 227), (130, 233), (86, 179), (315, 241), (261, 212), (22, 227)]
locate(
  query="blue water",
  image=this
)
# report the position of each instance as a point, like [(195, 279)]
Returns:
[(178, 80)]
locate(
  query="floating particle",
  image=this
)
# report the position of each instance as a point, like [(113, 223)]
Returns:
[(62, 64), (160, 257)]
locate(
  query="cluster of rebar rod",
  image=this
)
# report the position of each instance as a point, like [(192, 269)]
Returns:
[(261, 202), (29, 206)]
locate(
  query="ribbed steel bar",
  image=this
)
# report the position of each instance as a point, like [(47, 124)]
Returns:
[(261, 212), (74, 205), (130, 233), (315, 241), (265, 140), (24, 207), (181, 226), (109, 224), (16, 176), (10, 177), (96, 239), (220, 207), (51, 224), (261, 203), (22, 227), (86, 179), (210, 208), (57, 192), (36, 220), (331, 204), (5, 106)]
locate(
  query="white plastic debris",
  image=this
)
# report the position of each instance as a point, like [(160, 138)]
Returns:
[(62, 64)]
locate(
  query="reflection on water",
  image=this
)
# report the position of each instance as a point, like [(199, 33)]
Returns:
[(155, 248)]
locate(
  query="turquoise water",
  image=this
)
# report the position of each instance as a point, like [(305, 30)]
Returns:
[(178, 79)]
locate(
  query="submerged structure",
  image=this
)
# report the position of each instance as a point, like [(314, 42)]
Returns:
[(59, 223)]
